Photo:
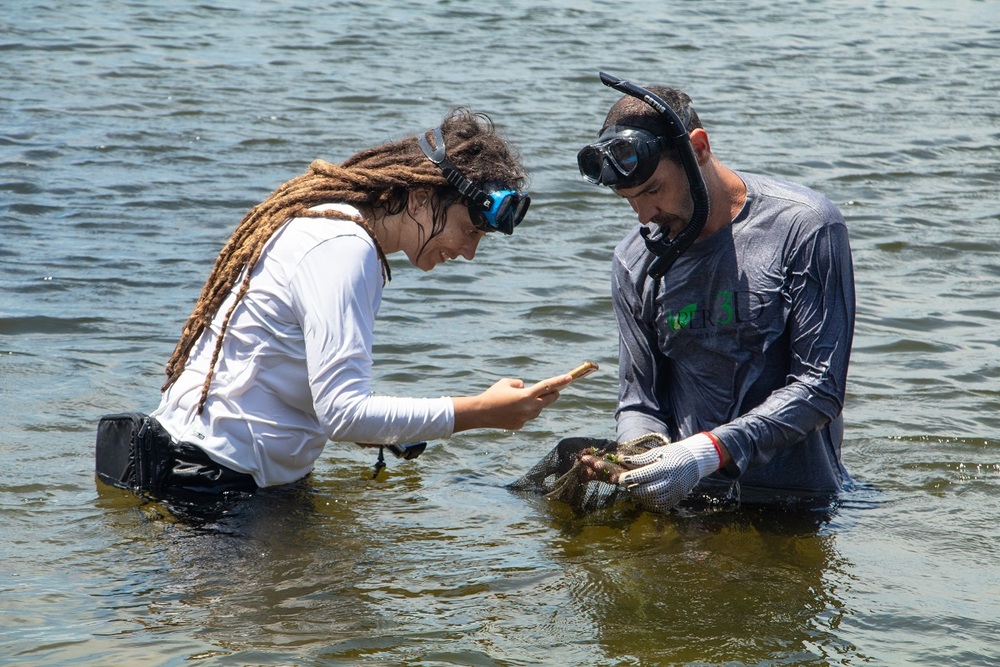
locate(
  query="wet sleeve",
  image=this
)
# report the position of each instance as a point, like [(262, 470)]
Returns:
[(639, 411), (822, 311)]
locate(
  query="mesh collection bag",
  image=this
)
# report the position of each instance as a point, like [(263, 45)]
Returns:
[(583, 472)]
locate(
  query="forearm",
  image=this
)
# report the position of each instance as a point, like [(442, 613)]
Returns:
[(389, 420), (472, 412), (639, 409), (632, 423), (784, 419)]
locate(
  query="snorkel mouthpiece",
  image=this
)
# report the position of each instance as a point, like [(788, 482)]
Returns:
[(665, 249)]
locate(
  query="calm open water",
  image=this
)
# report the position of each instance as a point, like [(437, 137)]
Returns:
[(135, 134)]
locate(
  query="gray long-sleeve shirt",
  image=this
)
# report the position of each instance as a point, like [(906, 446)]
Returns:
[(749, 336)]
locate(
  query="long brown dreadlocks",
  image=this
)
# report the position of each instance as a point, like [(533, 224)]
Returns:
[(377, 179)]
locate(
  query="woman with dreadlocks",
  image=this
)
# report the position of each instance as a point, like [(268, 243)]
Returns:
[(276, 358)]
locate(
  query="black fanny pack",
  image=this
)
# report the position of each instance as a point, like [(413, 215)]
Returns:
[(133, 452), (136, 453)]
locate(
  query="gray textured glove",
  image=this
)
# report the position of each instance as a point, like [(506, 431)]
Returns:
[(661, 477)]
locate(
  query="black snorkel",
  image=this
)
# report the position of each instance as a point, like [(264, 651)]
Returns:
[(667, 250)]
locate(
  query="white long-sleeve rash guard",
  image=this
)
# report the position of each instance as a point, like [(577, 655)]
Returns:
[(296, 362)]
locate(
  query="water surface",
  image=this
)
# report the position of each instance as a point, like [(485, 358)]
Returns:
[(133, 137)]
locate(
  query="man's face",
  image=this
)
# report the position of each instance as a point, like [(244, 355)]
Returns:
[(663, 199)]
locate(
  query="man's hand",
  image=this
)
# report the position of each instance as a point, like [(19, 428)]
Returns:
[(661, 477)]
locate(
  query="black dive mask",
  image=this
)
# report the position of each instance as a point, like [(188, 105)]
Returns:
[(622, 157)]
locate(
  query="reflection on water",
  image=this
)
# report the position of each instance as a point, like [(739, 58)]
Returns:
[(749, 586), (309, 569), (270, 570)]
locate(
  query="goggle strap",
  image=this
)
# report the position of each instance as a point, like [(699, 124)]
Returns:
[(466, 187), (462, 183)]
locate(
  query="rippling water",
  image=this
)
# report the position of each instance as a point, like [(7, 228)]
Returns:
[(133, 137)]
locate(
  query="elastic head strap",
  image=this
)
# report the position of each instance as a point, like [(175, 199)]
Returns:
[(460, 181)]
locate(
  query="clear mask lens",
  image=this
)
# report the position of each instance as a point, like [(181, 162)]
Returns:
[(625, 159)]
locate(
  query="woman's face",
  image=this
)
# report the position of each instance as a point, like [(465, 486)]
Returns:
[(458, 239)]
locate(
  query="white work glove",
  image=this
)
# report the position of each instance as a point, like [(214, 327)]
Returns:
[(660, 478)]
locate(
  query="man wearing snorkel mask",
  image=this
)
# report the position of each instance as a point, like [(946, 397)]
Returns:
[(734, 299)]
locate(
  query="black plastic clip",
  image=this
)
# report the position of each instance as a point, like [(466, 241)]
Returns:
[(407, 452)]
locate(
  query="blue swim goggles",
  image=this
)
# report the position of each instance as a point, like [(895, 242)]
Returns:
[(491, 210)]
